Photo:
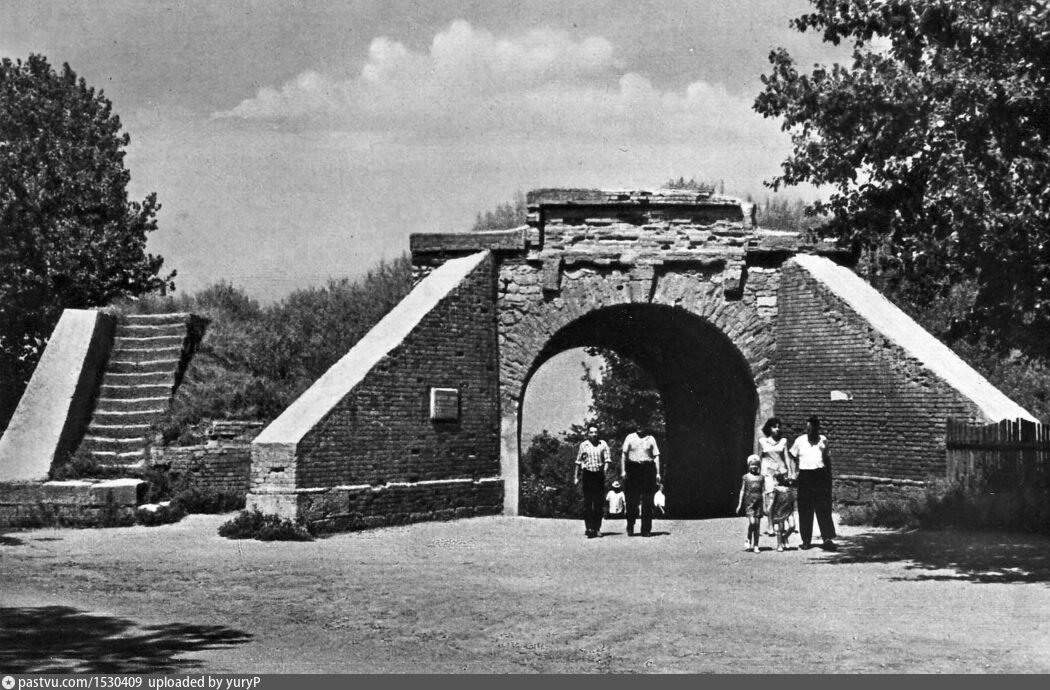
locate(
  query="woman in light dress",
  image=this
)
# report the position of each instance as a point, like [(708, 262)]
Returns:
[(775, 463)]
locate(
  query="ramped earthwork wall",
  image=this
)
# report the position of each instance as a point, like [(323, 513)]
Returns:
[(882, 386), (405, 427)]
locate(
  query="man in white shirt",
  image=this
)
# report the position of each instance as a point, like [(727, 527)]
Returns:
[(592, 460), (813, 460), (640, 469)]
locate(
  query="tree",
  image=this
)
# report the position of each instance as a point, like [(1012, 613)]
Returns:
[(69, 236), (623, 397), (935, 142), (507, 215)]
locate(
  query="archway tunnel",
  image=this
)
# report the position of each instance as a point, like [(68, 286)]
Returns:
[(707, 390)]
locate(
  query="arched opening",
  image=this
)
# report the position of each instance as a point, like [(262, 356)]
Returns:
[(709, 397)]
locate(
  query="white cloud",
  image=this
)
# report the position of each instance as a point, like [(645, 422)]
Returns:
[(543, 85)]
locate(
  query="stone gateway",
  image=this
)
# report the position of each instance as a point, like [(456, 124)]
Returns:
[(421, 419)]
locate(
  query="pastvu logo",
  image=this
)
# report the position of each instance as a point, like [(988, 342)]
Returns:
[(8, 682)]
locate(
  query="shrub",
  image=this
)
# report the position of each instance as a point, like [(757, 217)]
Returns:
[(252, 524), (192, 497), (164, 514)]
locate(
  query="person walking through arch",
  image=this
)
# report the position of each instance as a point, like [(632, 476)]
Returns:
[(776, 467), (592, 461), (640, 470), (813, 459)]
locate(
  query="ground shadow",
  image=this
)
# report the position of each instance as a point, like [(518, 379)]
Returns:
[(953, 555), (10, 541), (60, 639)]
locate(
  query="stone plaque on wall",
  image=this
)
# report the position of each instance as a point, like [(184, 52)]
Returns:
[(444, 404)]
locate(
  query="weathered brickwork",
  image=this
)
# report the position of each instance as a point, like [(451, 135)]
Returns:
[(70, 503), (344, 508), (889, 413), (224, 468)]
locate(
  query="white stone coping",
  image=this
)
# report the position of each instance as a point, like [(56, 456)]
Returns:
[(898, 327), (317, 401), (381, 487)]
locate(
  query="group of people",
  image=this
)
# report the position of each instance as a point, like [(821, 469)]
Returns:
[(779, 480), (639, 470)]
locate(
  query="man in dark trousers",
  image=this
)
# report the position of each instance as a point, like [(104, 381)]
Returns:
[(813, 460), (640, 469), (592, 460)]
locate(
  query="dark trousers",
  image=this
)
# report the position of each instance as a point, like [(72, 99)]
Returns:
[(814, 497), (639, 488), (593, 486)]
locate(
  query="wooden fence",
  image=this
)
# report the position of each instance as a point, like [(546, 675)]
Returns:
[(998, 457)]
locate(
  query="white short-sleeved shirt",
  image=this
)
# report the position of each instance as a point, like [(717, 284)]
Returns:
[(810, 456), (617, 502), (638, 449)]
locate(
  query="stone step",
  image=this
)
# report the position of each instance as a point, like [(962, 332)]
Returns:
[(153, 405), (120, 417), (117, 431), (124, 446), (137, 378), (156, 319), (146, 354), (135, 392), (127, 366), (148, 341), (125, 458)]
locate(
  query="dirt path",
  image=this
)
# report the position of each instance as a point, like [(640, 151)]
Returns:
[(520, 595)]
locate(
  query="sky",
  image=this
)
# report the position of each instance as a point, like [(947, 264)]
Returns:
[(290, 142)]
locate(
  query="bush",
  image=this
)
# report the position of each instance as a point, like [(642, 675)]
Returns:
[(191, 497), (164, 514), (252, 524)]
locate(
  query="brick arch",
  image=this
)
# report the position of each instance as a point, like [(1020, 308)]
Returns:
[(711, 358)]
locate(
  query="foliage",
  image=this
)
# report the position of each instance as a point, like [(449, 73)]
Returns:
[(507, 215), (691, 183), (622, 397), (254, 361), (190, 496), (547, 489), (777, 212), (936, 143), (69, 235), (165, 513), (253, 524)]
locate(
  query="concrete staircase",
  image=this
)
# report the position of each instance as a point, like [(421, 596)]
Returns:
[(149, 356)]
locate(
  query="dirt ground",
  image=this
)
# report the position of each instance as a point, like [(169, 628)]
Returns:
[(507, 594)]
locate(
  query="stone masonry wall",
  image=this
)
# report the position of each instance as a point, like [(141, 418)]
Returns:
[(882, 411), (224, 468), (378, 458)]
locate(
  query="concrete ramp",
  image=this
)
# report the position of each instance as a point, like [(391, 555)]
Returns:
[(364, 446), (56, 406), (898, 327)]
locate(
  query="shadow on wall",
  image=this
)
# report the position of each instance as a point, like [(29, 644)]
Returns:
[(983, 557), (60, 639)]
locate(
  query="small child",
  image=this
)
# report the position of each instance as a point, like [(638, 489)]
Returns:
[(659, 500), (751, 500), (615, 501), (782, 509)]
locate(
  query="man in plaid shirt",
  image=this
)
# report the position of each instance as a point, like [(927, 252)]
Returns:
[(592, 460)]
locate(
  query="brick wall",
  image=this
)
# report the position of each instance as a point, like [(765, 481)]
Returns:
[(222, 467), (884, 413), (377, 457)]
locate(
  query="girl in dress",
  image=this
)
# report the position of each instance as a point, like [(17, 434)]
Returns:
[(774, 457), (751, 500)]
